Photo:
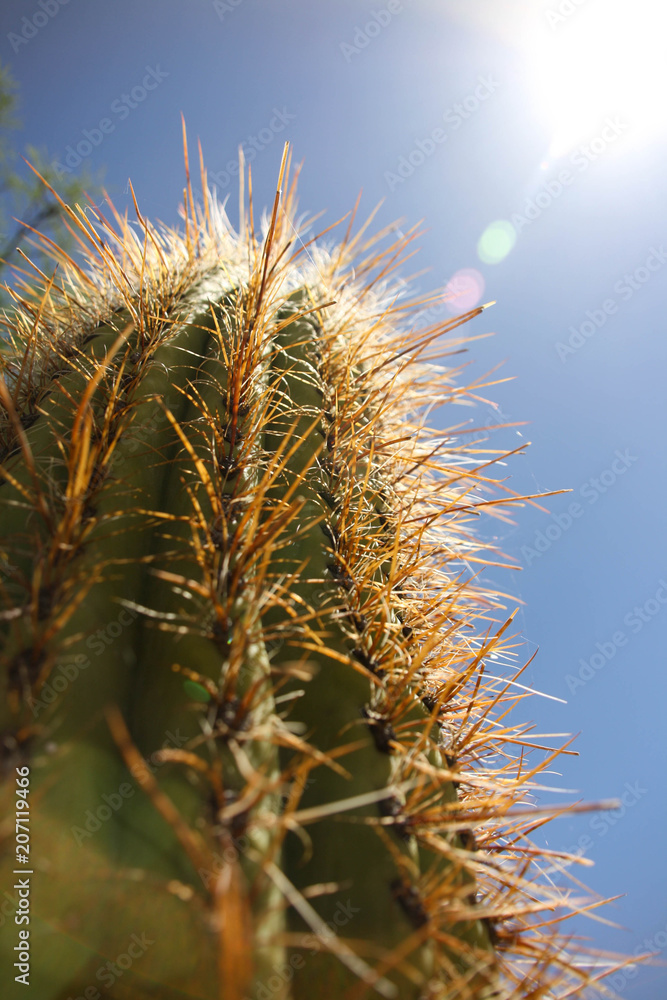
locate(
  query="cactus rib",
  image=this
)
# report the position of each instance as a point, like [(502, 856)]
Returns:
[(245, 640)]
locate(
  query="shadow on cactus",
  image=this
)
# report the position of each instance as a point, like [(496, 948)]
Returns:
[(244, 639)]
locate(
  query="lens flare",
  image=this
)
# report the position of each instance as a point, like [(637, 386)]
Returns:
[(496, 242), (464, 291), (591, 59)]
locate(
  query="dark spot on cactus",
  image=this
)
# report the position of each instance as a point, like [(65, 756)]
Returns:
[(28, 419), (46, 598), (496, 939), (331, 534), (408, 898), (135, 357), (360, 624), (238, 824), (341, 576), (24, 669), (359, 621), (88, 513), (232, 434), (451, 764), (381, 730), (221, 631), (467, 838), (227, 501), (366, 661), (229, 717), (331, 440), (14, 746), (382, 517), (330, 467), (228, 712), (406, 630), (429, 702), (227, 465), (392, 808), (98, 475), (217, 534), (328, 498)]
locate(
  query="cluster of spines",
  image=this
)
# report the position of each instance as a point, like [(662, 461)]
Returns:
[(383, 560)]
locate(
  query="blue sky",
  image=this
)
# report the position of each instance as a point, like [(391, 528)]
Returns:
[(446, 110)]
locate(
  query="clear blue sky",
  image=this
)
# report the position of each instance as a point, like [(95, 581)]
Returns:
[(361, 105)]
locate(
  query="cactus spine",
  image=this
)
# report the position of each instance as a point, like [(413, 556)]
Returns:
[(243, 650)]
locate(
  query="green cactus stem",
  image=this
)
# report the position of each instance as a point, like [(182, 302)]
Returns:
[(243, 635)]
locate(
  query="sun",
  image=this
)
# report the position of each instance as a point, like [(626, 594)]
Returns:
[(591, 59)]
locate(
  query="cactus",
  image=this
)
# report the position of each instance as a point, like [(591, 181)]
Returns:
[(245, 644)]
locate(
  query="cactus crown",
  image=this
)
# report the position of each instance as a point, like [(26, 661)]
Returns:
[(241, 609)]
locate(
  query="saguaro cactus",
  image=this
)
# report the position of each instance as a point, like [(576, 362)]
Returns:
[(245, 720)]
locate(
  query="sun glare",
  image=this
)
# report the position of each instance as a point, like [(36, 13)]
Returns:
[(599, 59)]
